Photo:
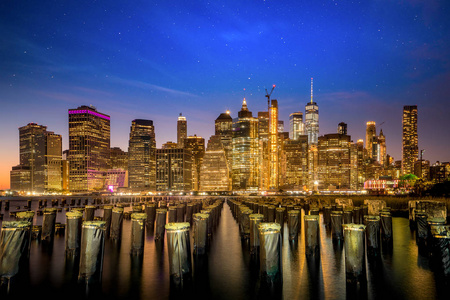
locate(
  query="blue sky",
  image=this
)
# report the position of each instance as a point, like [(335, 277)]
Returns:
[(155, 59)]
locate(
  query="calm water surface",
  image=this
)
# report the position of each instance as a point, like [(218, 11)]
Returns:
[(229, 271)]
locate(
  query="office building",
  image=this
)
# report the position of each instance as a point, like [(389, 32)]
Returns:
[(371, 133), (181, 130), (214, 172), (173, 170), (296, 126), (224, 129), (119, 159), (295, 163), (245, 150), (263, 140), (410, 147), (334, 167), (196, 145), (142, 156), (312, 120), (40, 155), (89, 149), (20, 179), (342, 128), (273, 146)]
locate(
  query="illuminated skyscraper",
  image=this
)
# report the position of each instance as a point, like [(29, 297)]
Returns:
[(371, 133), (173, 170), (296, 126), (40, 155), (245, 150), (263, 140), (119, 159), (410, 148), (196, 145), (273, 145), (382, 155), (334, 161), (142, 156), (342, 128), (361, 163), (181, 131), (89, 148), (224, 129), (312, 119), (296, 163), (214, 172)]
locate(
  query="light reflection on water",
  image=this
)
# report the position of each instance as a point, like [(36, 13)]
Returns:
[(230, 272)]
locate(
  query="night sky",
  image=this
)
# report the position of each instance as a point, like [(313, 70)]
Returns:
[(155, 59)]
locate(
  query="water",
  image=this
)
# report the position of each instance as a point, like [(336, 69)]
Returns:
[(229, 272)]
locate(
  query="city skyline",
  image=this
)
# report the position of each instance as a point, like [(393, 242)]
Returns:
[(156, 60)]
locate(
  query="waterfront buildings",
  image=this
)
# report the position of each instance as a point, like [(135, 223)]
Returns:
[(410, 148), (89, 149), (245, 154), (40, 160), (196, 145), (173, 169), (295, 163), (214, 172), (142, 156), (334, 161)]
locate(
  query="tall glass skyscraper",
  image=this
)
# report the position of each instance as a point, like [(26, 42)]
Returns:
[(142, 156), (245, 150), (410, 148), (181, 130), (89, 149), (273, 146), (296, 126), (371, 133), (312, 119), (196, 145)]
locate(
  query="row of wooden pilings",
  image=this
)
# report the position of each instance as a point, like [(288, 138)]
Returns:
[(85, 234), (429, 220), (261, 223)]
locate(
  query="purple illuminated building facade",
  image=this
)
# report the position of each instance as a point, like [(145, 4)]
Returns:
[(89, 149)]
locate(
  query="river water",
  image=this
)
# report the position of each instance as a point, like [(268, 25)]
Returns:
[(229, 271)]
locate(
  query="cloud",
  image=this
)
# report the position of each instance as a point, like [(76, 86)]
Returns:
[(150, 86)]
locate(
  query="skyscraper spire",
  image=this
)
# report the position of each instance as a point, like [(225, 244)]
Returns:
[(244, 105), (311, 90)]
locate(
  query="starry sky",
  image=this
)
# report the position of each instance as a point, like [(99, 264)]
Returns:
[(156, 59)]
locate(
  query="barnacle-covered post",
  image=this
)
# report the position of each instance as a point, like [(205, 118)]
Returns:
[(179, 249), (312, 234), (270, 252), (73, 233), (92, 249), (354, 240)]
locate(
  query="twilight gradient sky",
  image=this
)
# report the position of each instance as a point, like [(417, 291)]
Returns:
[(155, 59)]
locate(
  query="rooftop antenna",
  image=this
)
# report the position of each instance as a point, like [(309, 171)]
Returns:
[(311, 90)]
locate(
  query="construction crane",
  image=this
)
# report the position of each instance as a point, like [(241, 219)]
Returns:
[(380, 124), (268, 95)]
